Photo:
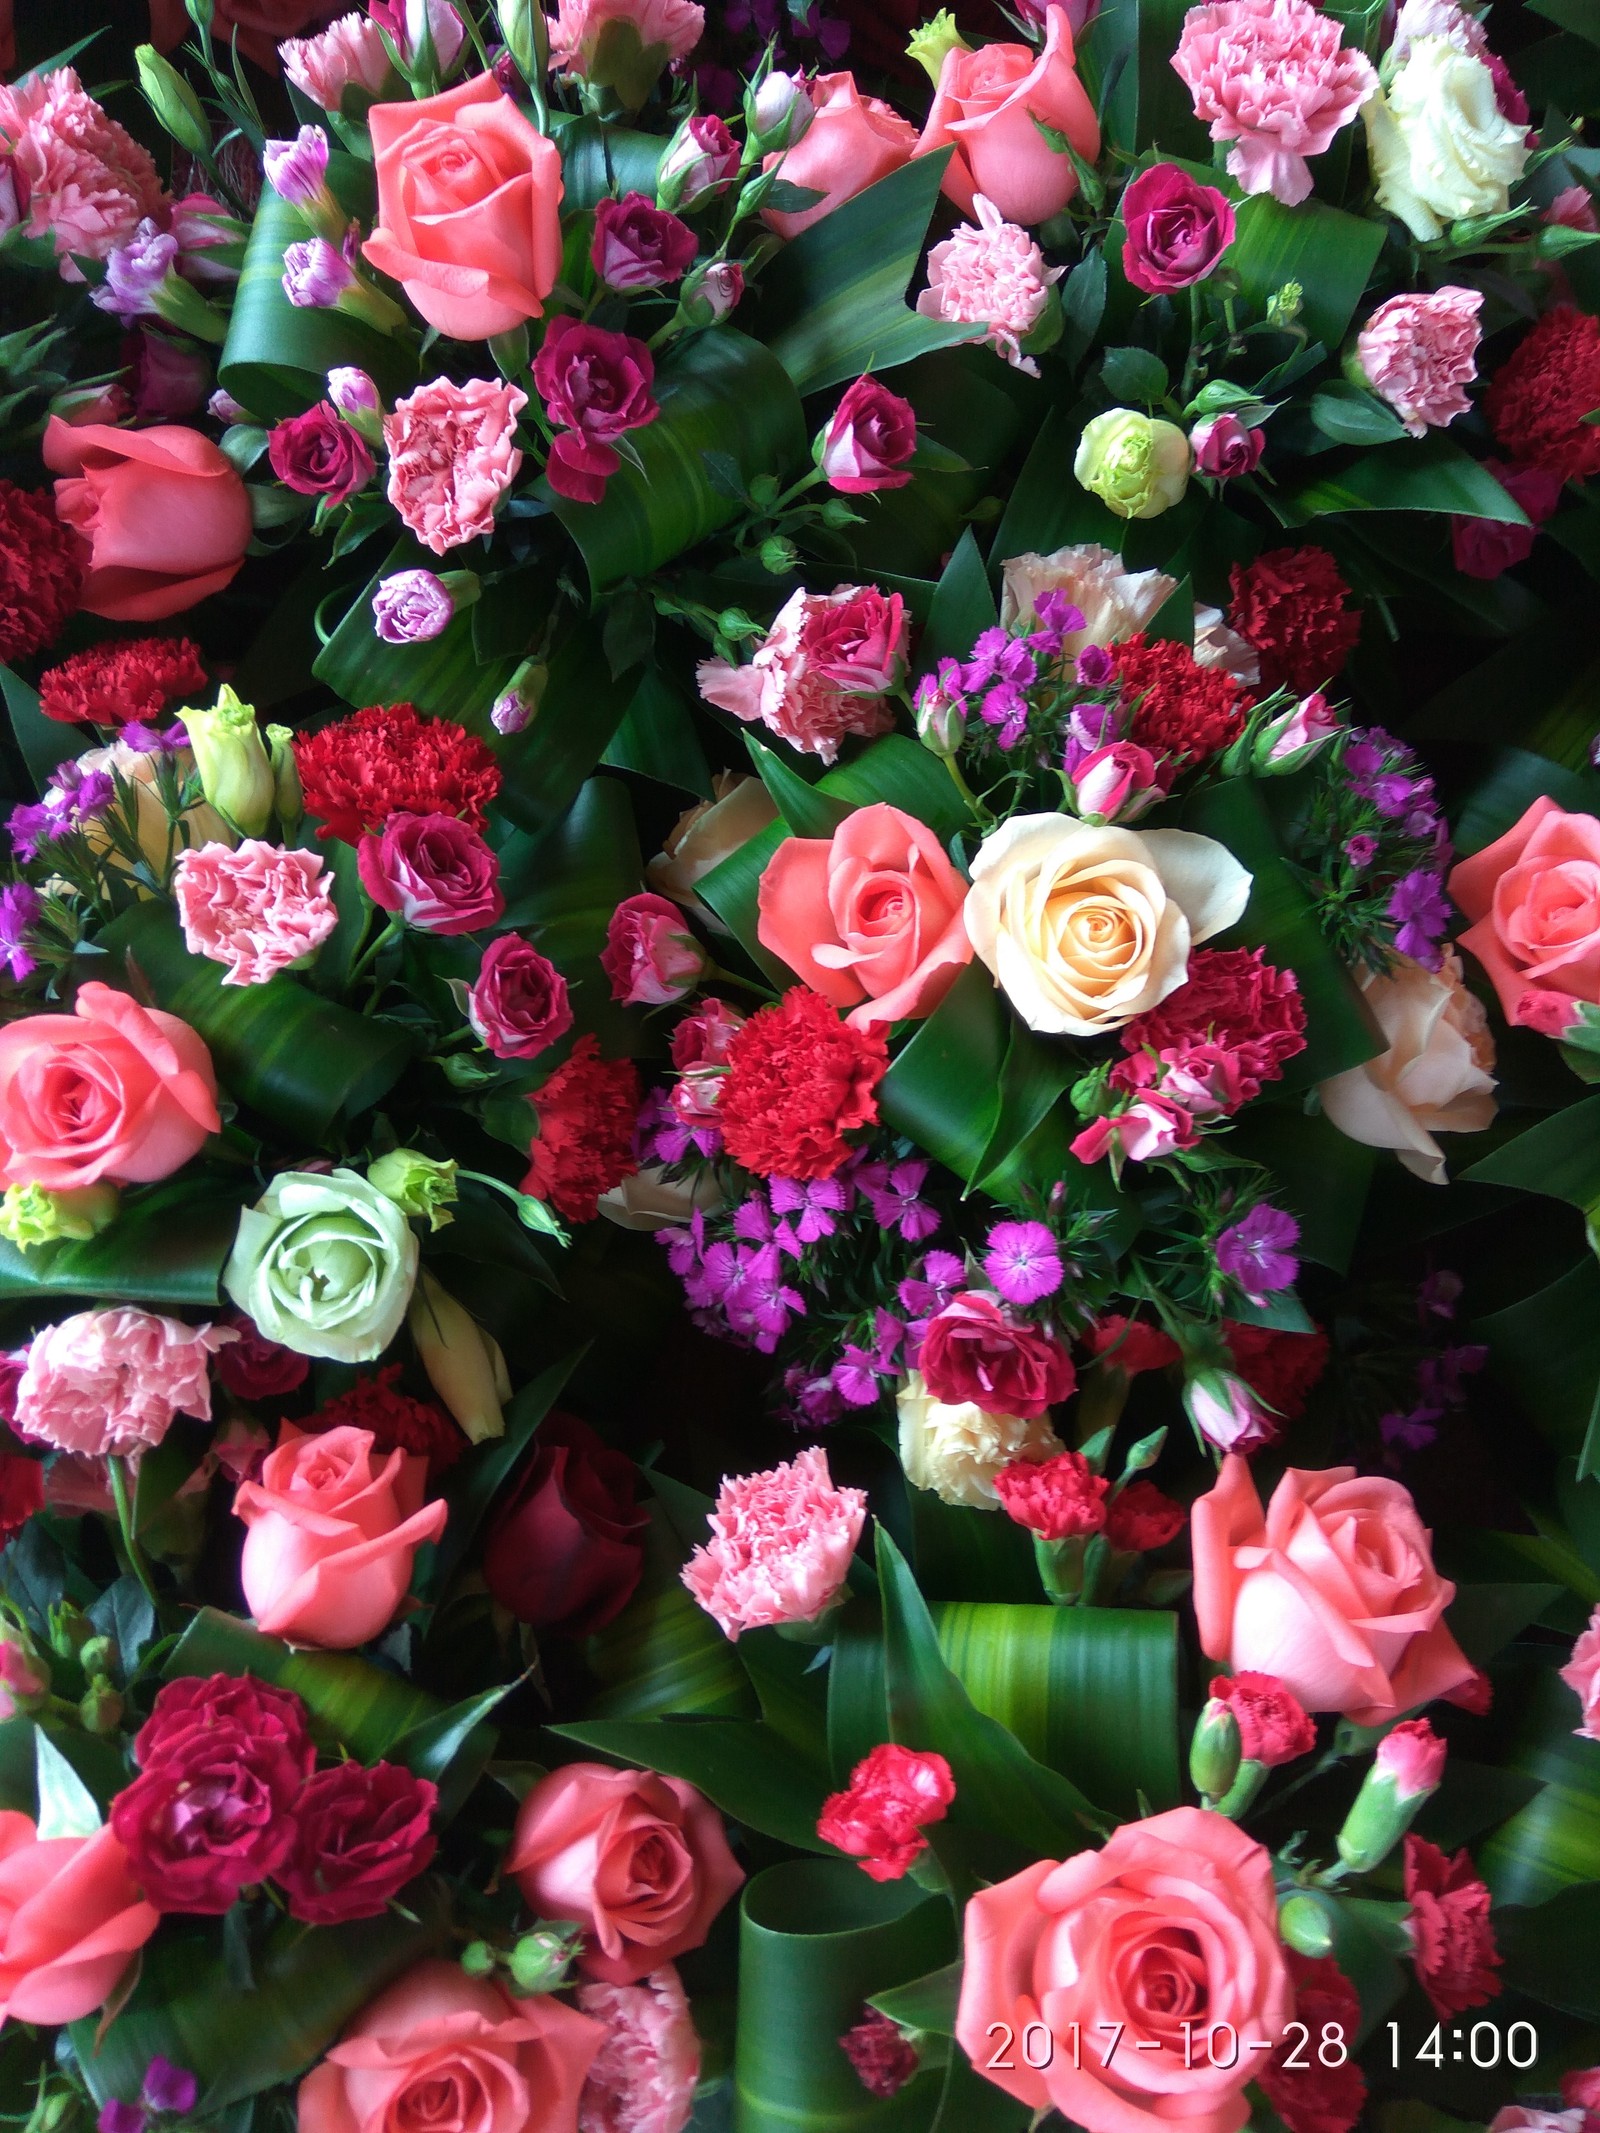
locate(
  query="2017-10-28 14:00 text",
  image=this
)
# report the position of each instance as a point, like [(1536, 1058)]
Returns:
[(1217, 2044)]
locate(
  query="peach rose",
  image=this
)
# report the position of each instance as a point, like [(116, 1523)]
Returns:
[(1332, 1589), (469, 208), (71, 1921), (113, 1090), (333, 1535), (870, 917), (449, 2053), (638, 1860), (986, 106), (1168, 1929), (165, 514), (739, 808), (1085, 928), (1437, 1075), (1534, 900), (852, 142)]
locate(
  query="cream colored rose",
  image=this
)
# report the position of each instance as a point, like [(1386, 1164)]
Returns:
[(1439, 146), (157, 840), (650, 1200), (1436, 1077), (702, 838), (957, 1450), (1085, 928)]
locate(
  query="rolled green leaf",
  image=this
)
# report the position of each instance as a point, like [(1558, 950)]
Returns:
[(168, 1245)]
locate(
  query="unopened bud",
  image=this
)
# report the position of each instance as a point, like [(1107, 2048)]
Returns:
[(711, 292), (478, 1959), (518, 703), (174, 103), (522, 25), (32, 1215), (236, 773), (100, 1707), (288, 799), (1214, 1751), (99, 1656), (1225, 1411), (778, 112), (417, 1184), (540, 1961), (778, 555), (1405, 1771), (1305, 1924), (1286, 304), (836, 513), (930, 45)]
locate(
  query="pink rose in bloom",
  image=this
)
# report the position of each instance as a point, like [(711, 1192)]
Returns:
[(80, 178), (111, 1381), (852, 142), (1534, 900), (1117, 783), (71, 1921), (674, 27), (1414, 1756), (894, 1793), (821, 671), (1058, 1499), (637, 245), (644, 2079), (435, 871), (781, 1546), (1173, 1922), (1177, 230), (596, 385), (986, 106), (333, 1531), (319, 454), (258, 909), (700, 1053), (1224, 448), (1276, 78), (868, 440), (650, 955), (348, 53), (1420, 353), (1274, 1726), (518, 1004), (452, 456), (993, 275), (1484, 547), (1582, 1675), (972, 1351), (639, 1861), (870, 917), (1332, 1589)]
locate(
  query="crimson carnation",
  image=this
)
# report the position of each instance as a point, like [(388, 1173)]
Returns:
[(798, 1081), (1452, 1941), (878, 1820), (1058, 1499), (584, 1143), (41, 573), (1141, 1517), (1280, 1368), (1234, 999), (1274, 1726), (21, 1493), (1539, 397), (254, 1368), (883, 2058), (1181, 709), (1311, 2096), (390, 760), (187, 1709), (360, 1835), (398, 1422), (1290, 605), (112, 683)]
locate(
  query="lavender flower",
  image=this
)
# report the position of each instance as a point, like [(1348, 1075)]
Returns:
[(136, 270), (297, 170), (1095, 667), (893, 1193), (998, 656), (169, 2088), (1412, 1432), (411, 607), (223, 407), (1258, 1251), (1361, 849), (315, 274), (1055, 612), (855, 1377), (20, 906), (119, 2117), (1023, 1261), (352, 391), (1421, 912)]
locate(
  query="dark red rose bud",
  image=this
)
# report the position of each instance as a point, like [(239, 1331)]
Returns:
[(566, 1547), (597, 385), (1177, 230), (319, 454), (360, 1836), (638, 245), (21, 1493), (212, 1816), (254, 1368)]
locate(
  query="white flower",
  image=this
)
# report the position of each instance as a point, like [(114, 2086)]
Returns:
[(957, 1450), (1439, 145), (1436, 1077)]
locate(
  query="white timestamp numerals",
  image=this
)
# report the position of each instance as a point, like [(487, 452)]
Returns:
[(1482, 2044), (1215, 2044)]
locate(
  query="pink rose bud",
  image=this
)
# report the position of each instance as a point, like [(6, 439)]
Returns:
[(713, 292), (24, 1675), (1287, 742), (779, 113), (650, 956), (297, 170), (1224, 448), (352, 391), (1226, 1412), (702, 160), (1150, 1128), (1405, 1771), (866, 445), (638, 245), (1116, 783)]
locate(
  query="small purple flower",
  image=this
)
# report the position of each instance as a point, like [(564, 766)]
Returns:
[(315, 274), (1004, 706), (223, 407), (119, 2117), (1361, 850), (752, 1222), (1412, 1432), (352, 391), (1439, 1377), (411, 607), (1095, 667), (1418, 905), (1023, 1260), (855, 1377), (1258, 1251), (892, 1192), (154, 740), (32, 825), (169, 2088), (888, 1336), (1395, 794), (20, 906), (815, 1200), (297, 170), (998, 656), (1055, 612), (136, 270), (814, 1403), (1439, 1295)]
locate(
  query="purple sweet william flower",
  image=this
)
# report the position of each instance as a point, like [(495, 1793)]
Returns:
[(1023, 1261), (1258, 1251), (168, 2087)]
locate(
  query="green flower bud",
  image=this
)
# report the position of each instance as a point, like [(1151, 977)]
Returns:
[(236, 773), (527, 38), (478, 1959), (416, 1183), (100, 1708), (99, 1656), (1305, 1923), (288, 801), (174, 103), (540, 1961), (836, 513), (70, 1630), (463, 1362), (1214, 1751), (31, 1215), (778, 555), (930, 45), (1286, 304), (1136, 464)]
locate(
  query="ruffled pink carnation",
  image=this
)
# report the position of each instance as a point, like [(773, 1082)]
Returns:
[(1420, 353), (452, 456), (822, 670), (111, 1381), (675, 25), (1276, 78), (257, 909), (1582, 1675), (992, 276), (1572, 209), (643, 2080), (349, 51), (780, 1546), (89, 182)]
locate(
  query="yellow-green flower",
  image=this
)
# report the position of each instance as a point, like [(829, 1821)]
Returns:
[(30, 1215), (236, 773), (416, 1184), (1136, 464)]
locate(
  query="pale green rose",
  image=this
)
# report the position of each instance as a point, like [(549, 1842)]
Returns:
[(30, 1215), (325, 1265), (236, 773), (1137, 465), (1440, 148), (416, 1184)]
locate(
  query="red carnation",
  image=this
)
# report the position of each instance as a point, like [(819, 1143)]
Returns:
[(584, 1144), (41, 573), (1539, 397), (1141, 1517), (398, 1422), (1452, 1941), (1059, 1499), (214, 1811), (389, 760), (1290, 605), (1279, 1367), (883, 2058), (1181, 709), (1273, 1725), (254, 1368), (112, 683), (893, 1794), (973, 1351), (21, 1493), (1311, 2096), (798, 1081), (360, 1835), (1132, 1345), (1234, 1000)]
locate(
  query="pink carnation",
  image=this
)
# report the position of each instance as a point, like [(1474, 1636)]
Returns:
[(111, 1381), (258, 909), (89, 183), (1275, 78), (1421, 352), (992, 276), (452, 456), (349, 51), (780, 1546), (675, 25), (1582, 1675), (822, 670), (1572, 209), (643, 2080)]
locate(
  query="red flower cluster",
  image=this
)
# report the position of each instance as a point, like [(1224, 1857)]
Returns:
[(396, 1420), (1131, 1344), (1452, 1941), (390, 760), (894, 1793), (1290, 605), (1181, 709), (360, 1835), (21, 1493), (883, 2058), (1311, 2096), (1280, 1368), (1142, 1516), (1273, 1725), (112, 683), (1059, 1499), (798, 1081), (1233, 1000), (41, 573), (1538, 398), (584, 1144)]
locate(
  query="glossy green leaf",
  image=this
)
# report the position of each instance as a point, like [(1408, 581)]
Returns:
[(600, 158), (657, 739), (1432, 473), (168, 1245), (1035, 1074), (664, 1654), (751, 1772), (1552, 1952), (1554, 1843), (453, 1749), (1048, 509), (1329, 253), (1319, 1176), (67, 1808), (442, 677), (1165, 107), (806, 809), (943, 1089), (1545, 1350), (43, 742), (963, 606), (1560, 1157), (1516, 777), (926, 2002)]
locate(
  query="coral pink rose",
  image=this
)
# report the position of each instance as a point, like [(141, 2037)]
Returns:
[(164, 512), (989, 106), (852, 142), (1170, 1928), (113, 1090), (870, 917), (71, 1921), (469, 200), (334, 1530), (639, 1861), (453, 2054), (1332, 1589), (1534, 900)]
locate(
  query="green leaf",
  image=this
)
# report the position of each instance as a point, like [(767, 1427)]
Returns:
[(943, 1087), (1545, 1351), (663, 1655), (1165, 106), (66, 1805), (479, 1477), (1348, 415), (1515, 778), (1031, 1081), (1048, 509), (1560, 1157), (123, 1611), (1554, 1843), (168, 1245), (443, 677), (926, 2003), (600, 160), (453, 1750), (750, 1771), (1133, 377), (963, 607), (1318, 1175), (1552, 1952), (1330, 254), (657, 739), (43, 742), (807, 810), (1431, 474)]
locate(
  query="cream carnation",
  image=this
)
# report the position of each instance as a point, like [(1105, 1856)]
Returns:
[(89, 182), (780, 1547), (1420, 353), (1439, 145), (111, 1381), (347, 53), (956, 1449), (452, 456), (994, 276), (1085, 928), (1115, 602), (644, 2078), (259, 909)]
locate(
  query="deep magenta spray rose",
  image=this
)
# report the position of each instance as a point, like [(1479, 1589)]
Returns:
[(436, 872), (518, 1004), (1224, 447), (974, 1351), (1177, 230), (318, 454), (650, 955), (638, 245), (360, 1836), (867, 444), (595, 385), (213, 1815)]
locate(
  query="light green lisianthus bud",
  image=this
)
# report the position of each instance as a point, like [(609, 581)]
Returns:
[(236, 773), (289, 802), (1136, 464), (30, 1215), (930, 44), (325, 1265), (416, 1183), (172, 100)]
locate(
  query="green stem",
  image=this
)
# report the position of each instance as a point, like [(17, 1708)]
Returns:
[(369, 955), (138, 1562), (714, 974), (975, 806)]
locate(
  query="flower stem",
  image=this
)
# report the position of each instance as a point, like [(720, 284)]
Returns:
[(138, 1562)]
